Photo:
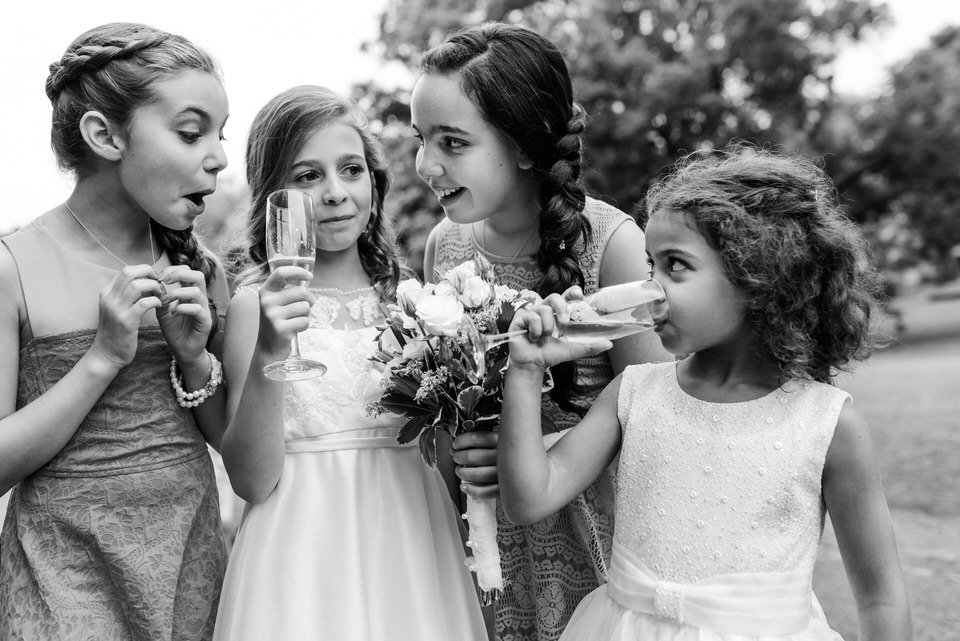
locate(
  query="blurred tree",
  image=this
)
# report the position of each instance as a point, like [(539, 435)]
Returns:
[(906, 174), (658, 78)]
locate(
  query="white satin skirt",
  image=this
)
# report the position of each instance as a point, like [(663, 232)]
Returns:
[(358, 542), (635, 605)]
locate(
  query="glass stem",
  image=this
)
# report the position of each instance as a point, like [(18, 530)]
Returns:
[(493, 340), (294, 348)]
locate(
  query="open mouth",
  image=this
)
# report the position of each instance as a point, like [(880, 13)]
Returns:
[(196, 199), (447, 195)]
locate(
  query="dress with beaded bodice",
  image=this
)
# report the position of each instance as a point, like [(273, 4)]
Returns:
[(719, 515), (550, 566), (118, 536), (359, 540)]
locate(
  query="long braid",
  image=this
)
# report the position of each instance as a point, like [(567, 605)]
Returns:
[(562, 223)]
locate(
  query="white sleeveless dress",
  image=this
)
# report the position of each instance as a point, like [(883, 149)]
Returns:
[(718, 515), (360, 539)]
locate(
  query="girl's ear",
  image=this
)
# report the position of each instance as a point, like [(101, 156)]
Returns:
[(101, 136)]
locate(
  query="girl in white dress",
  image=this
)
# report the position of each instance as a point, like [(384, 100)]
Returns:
[(347, 534), (728, 458)]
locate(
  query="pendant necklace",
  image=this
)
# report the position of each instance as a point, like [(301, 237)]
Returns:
[(153, 254), (483, 242)]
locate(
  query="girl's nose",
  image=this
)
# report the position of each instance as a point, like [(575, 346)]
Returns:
[(427, 165), (216, 160), (333, 193)]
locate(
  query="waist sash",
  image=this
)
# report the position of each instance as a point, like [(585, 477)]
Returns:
[(351, 440), (752, 604)]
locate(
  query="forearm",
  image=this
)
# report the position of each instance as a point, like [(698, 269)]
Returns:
[(522, 462), (253, 445), (33, 435), (889, 621)]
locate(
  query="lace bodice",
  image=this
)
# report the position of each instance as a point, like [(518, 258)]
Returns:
[(342, 335), (456, 244), (713, 488)]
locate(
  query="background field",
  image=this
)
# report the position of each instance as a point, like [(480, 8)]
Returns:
[(910, 394)]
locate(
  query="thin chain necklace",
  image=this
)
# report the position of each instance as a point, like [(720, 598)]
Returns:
[(483, 242), (153, 254)]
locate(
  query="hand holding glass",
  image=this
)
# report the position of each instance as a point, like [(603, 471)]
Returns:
[(608, 314), (290, 241)]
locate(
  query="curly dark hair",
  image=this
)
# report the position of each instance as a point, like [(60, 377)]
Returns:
[(277, 134), (804, 268), (113, 69)]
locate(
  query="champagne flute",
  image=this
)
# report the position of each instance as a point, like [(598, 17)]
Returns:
[(290, 240), (608, 314)]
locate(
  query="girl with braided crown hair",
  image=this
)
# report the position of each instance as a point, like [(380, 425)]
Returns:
[(113, 528), (501, 148)]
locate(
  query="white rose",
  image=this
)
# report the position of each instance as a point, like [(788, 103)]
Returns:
[(445, 288), (460, 274), (504, 293), (475, 292), (440, 315), (409, 292)]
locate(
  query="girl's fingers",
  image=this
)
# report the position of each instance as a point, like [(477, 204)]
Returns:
[(284, 276), (475, 456), (480, 491), (484, 475)]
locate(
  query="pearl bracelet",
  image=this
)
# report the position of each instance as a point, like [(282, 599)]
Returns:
[(196, 397)]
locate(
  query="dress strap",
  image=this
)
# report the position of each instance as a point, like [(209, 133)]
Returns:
[(751, 604)]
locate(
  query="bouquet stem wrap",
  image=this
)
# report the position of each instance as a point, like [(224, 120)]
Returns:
[(485, 562)]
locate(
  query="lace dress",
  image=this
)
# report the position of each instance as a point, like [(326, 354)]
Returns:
[(118, 536), (359, 540), (550, 566), (719, 515)]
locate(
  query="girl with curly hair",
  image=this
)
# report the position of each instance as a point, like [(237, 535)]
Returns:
[(501, 139), (730, 457), (348, 535)]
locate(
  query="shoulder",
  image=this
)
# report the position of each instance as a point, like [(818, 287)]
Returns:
[(851, 444), (640, 377)]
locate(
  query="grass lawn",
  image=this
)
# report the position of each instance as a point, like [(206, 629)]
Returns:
[(910, 395)]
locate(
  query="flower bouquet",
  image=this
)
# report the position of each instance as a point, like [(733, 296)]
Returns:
[(437, 380)]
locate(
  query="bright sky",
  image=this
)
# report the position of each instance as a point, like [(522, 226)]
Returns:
[(264, 51)]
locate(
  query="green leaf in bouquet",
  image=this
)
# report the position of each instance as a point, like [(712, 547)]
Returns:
[(468, 398), (412, 428), (428, 446), (404, 405)]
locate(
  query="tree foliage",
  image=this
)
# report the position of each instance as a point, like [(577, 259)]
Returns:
[(908, 162), (658, 78)]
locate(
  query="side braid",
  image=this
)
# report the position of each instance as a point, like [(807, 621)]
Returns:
[(562, 223), (183, 248)]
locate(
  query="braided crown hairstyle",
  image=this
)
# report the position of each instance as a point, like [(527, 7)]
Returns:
[(520, 83), (277, 135), (804, 269), (113, 69)]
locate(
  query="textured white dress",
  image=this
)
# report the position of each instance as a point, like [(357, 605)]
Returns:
[(718, 515), (359, 541)]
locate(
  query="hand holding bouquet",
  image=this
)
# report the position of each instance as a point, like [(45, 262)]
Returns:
[(434, 379)]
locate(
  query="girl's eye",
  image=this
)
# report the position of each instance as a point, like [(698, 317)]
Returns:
[(454, 144), (307, 176), (676, 265), (191, 137), (354, 171), (418, 138)]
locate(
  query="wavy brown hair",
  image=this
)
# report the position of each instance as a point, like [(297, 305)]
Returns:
[(277, 135), (113, 69), (805, 270)]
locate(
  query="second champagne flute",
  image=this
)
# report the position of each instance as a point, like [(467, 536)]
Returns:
[(290, 240)]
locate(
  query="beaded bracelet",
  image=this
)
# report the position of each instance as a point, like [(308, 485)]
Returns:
[(196, 397)]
